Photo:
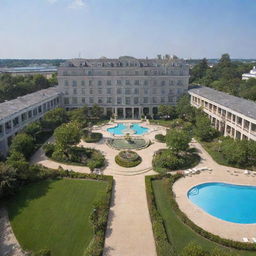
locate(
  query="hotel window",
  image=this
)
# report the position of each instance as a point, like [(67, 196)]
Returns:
[(74, 100), (83, 83), (179, 82), (83, 100), (145, 91), (39, 109), (89, 73), (162, 99), (34, 112), (127, 82), (136, 100), (136, 90), (145, 73), (170, 91), (154, 100), (145, 82), (74, 91), (119, 90), (100, 100), (108, 82), (83, 91), (163, 83), (29, 113), (66, 82), (127, 91), (109, 100), (100, 91), (170, 99), (23, 117), (145, 100), (74, 83), (119, 100), (66, 101), (119, 82), (154, 91), (171, 82), (109, 90), (163, 91), (137, 82), (91, 100), (99, 82), (91, 91), (136, 73), (65, 73), (127, 100), (90, 82), (109, 73)]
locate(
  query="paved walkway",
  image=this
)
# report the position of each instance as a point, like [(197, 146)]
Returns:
[(9, 245), (220, 173), (129, 231)]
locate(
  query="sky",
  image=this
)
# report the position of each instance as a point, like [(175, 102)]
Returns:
[(139, 28)]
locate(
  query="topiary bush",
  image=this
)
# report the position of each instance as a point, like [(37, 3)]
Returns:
[(128, 159), (93, 137), (160, 138)]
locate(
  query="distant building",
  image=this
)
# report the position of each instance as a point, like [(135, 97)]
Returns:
[(127, 87), (252, 74), (16, 114), (27, 71), (233, 116)]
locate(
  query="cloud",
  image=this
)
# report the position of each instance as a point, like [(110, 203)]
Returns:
[(76, 4)]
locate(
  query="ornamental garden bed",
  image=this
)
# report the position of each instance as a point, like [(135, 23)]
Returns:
[(128, 159), (92, 137)]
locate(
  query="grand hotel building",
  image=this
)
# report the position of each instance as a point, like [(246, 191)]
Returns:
[(126, 86)]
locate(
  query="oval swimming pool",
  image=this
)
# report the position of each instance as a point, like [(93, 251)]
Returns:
[(233, 203)]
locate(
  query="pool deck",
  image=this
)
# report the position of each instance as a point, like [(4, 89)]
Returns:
[(224, 229)]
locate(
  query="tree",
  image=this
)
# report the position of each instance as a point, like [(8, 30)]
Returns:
[(80, 115), (167, 111), (67, 135), (24, 144), (178, 140), (55, 118), (33, 129), (199, 70), (193, 249), (184, 109), (97, 111), (204, 130), (7, 179)]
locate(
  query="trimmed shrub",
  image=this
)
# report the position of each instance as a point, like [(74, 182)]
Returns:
[(128, 159), (160, 138), (93, 137)]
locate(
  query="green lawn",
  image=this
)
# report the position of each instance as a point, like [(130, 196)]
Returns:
[(54, 215), (179, 233)]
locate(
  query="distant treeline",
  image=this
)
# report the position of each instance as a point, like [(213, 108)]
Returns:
[(11, 63), (225, 76), (12, 87)]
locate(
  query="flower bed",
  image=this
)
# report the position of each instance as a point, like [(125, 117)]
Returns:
[(128, 159)]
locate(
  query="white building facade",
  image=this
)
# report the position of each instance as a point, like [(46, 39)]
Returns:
[(126, 87), (16, 114), (233, 116), (252, 74)]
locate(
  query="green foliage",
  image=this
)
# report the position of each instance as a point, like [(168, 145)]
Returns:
[(204, 130), (225, 76), (54, 118), (128, 159), (12, 87), (43, 252), (193, 249), (97, 111), (178, 140), (92, 137), (160, 138), (33, 129), (185, 110), (23, 143), (7, 180), (167, 111), (80, 115), (67, 135)]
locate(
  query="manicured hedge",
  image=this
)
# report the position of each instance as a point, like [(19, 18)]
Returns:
[(160, 138), (163, 245), (93, 137), (155, 218), (132, 162)]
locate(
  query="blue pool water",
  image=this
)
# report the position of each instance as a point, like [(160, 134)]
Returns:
[(118, 130), (228, 202)]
